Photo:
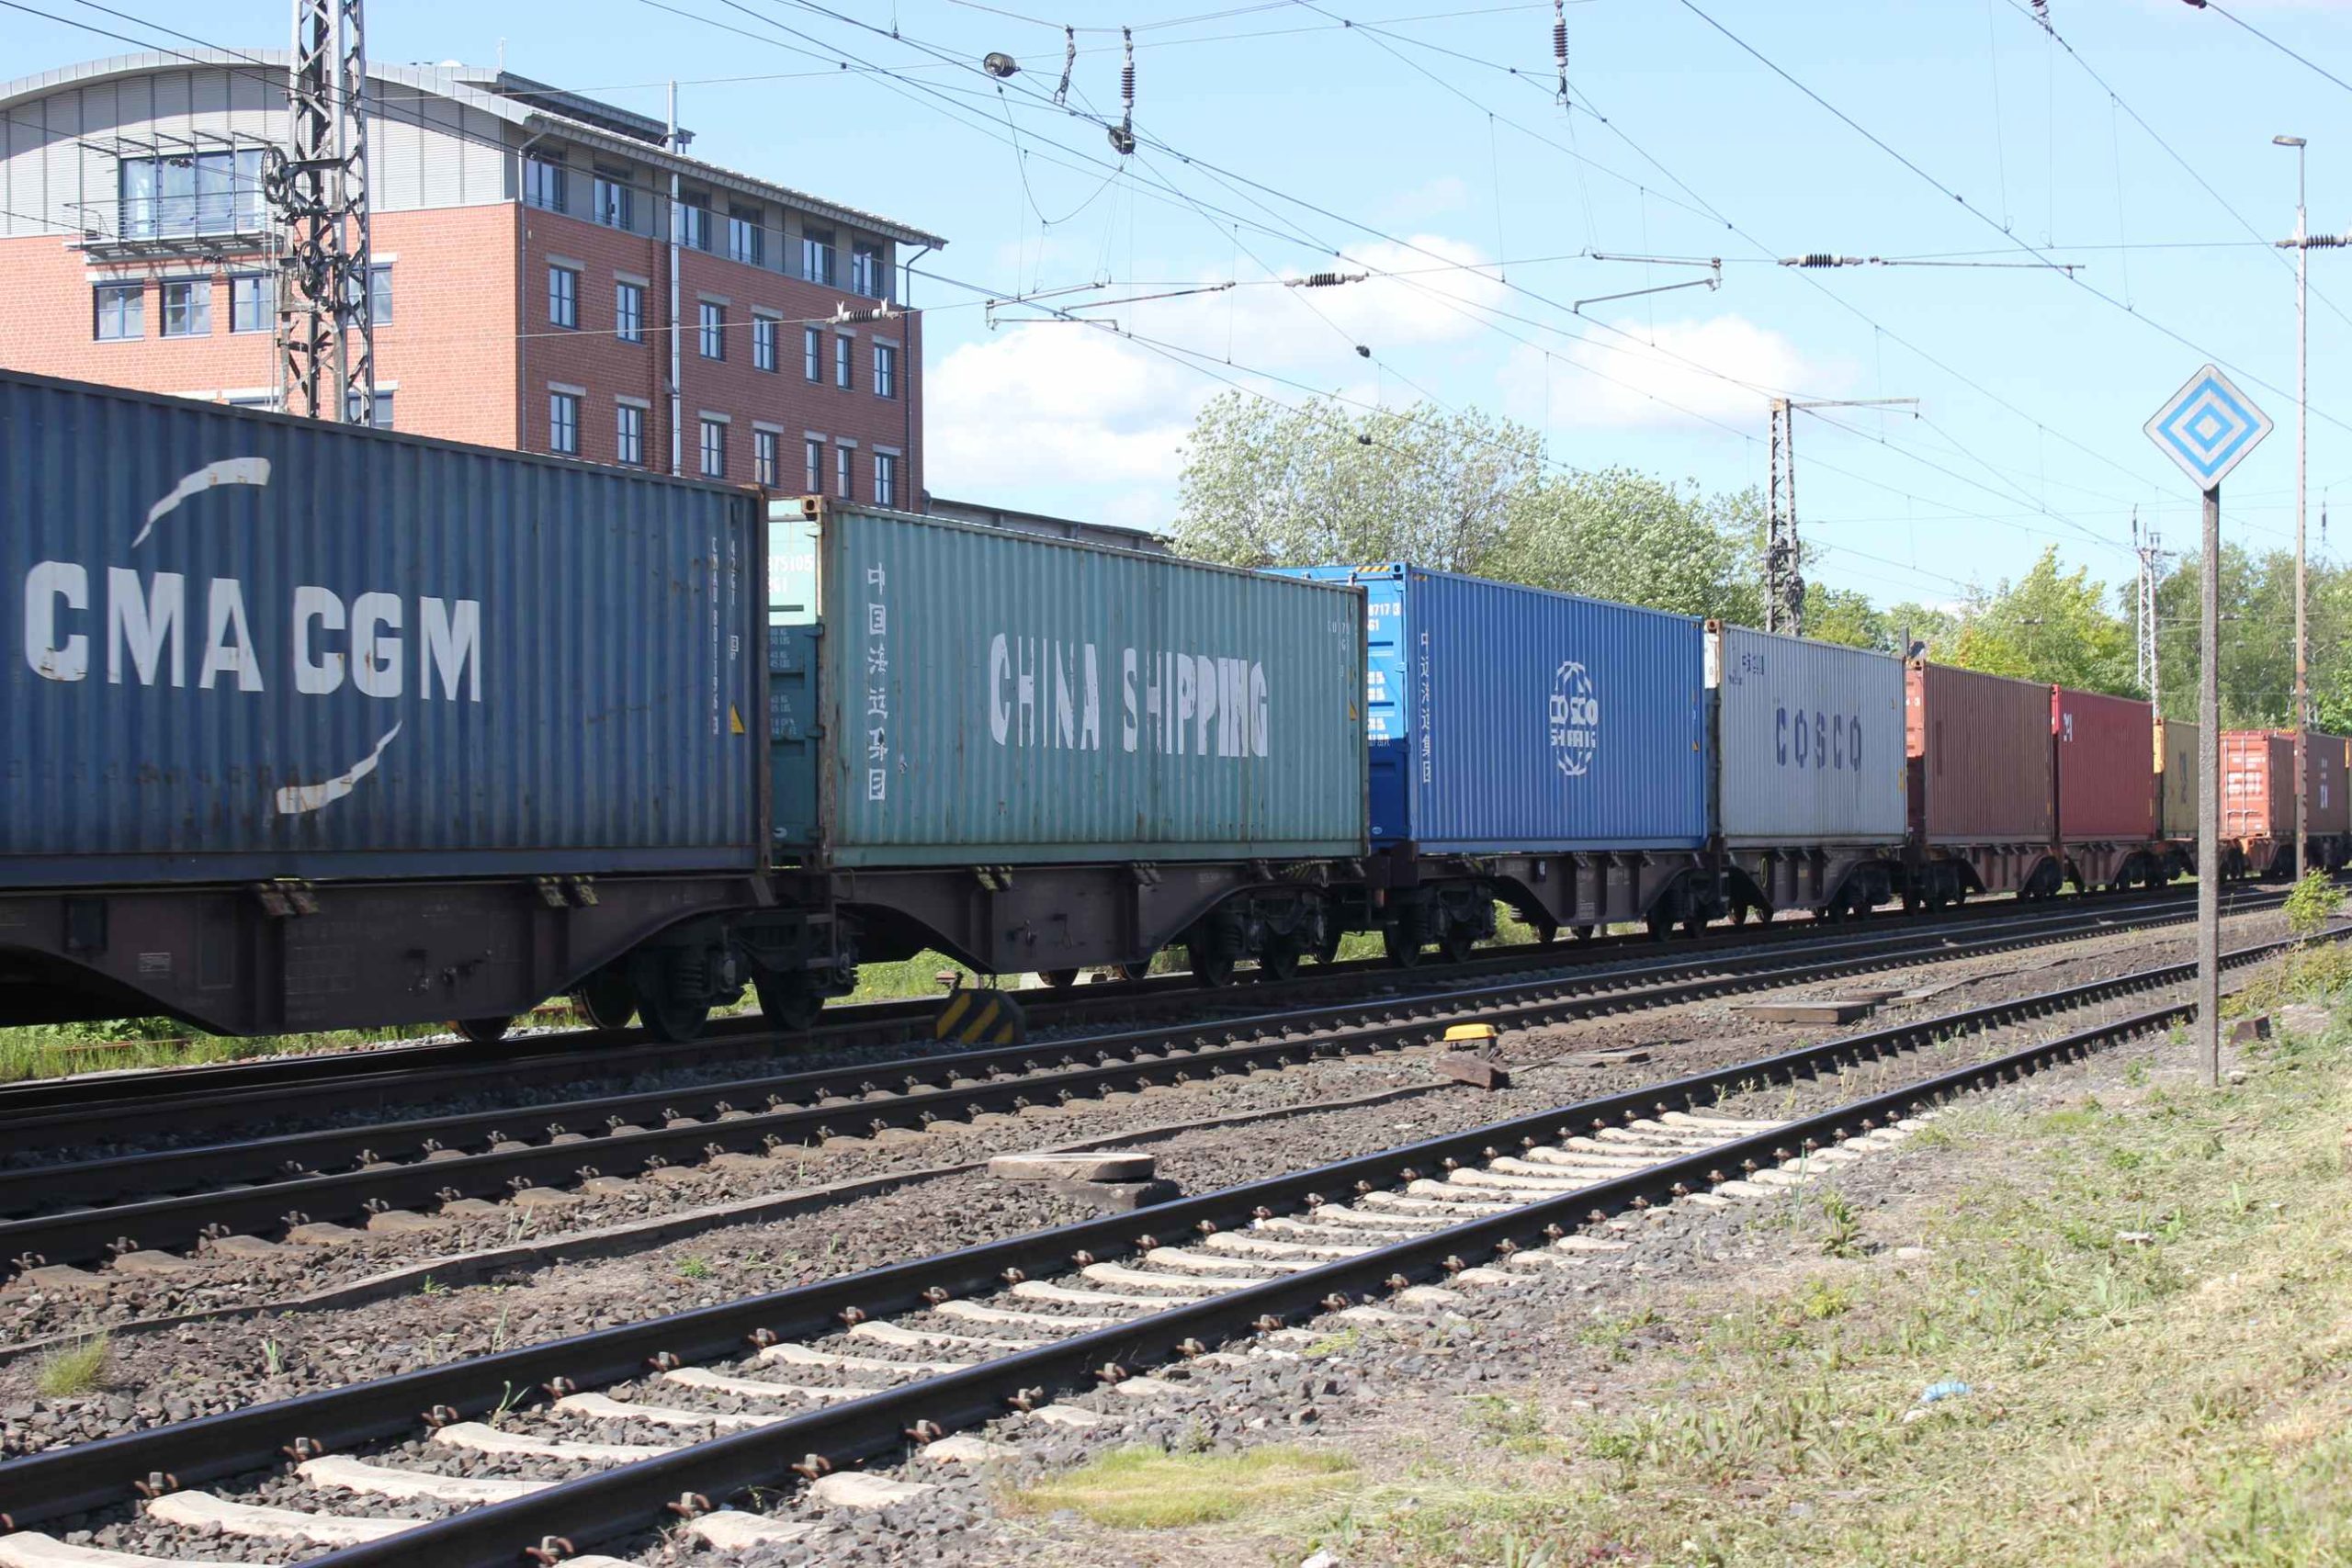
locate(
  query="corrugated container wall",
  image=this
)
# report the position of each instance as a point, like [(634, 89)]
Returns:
[(999, 699), (2258, 801), (2106, 767), (2178, 750), (1980, 752), (2327, 805), (244, 646), (1509, 718), (1808, 740)]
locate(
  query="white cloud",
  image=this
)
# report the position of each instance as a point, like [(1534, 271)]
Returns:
[(1722, 367), (1039, 405), (1447, 193)]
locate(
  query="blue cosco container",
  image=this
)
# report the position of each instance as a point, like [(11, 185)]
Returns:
[(241, 646), (1505, 717)]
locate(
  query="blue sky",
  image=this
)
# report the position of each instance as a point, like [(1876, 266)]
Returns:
[(1277, 140)]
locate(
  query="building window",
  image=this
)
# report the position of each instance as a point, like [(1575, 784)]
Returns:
[(765, 466), (714, 449), (845, 460), (629, 427), (886, 370), (842, 347), (764, 342), (629, 312), (563, 423), (192, 193), (886, 479), (615, 203), (188, 308), (812, 354), (380, 293), (867, 276), (817, 255), (694, 223), (253, 302), (543, 183), (383, 420), (712, 340), (814, 473), (746, 240), (121, 311), (563, 297)]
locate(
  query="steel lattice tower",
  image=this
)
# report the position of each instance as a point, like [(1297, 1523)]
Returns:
[(319, 184)]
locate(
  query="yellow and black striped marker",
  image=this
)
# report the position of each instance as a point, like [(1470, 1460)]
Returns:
[(980, 1017)]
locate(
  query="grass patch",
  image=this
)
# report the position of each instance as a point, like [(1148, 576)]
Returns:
[(83, 1367), (2151, 1296), (1144, 1488)]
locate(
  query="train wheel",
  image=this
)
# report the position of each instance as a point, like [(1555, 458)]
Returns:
[(1403, 946), (483, 1031), (1280, 960), (1328, 950), (605, 999), (790, 1003), (671, 1018), (1059, 980), (1127, 971), (1458, 943), (1212, 968)]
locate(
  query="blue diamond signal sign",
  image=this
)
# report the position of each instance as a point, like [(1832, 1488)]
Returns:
[(2207, 426)]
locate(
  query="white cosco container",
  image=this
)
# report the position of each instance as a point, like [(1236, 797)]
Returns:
[(1809, 741)]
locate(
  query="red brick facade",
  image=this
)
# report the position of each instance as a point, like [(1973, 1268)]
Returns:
[(471, 354)]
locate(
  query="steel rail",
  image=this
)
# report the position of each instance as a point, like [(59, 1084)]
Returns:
[(936, 1088), (552, 1058), (81, 1477)]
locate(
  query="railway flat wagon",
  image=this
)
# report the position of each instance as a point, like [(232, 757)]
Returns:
[(1809, 783), (1042, 755), (309, 725), (1983, 795), (2106, 763), (1541, 749)]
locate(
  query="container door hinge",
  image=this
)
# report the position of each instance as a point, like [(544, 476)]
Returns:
[(285, 897)]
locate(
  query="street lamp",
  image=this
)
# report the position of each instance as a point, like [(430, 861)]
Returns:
[(2303, 447)]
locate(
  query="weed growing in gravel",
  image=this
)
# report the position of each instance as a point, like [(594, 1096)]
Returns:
[(1144, 1488), (273, 1357), (694, 1269), (83, 1367), (428, 1286), (1332, 1344), (2313, 901)]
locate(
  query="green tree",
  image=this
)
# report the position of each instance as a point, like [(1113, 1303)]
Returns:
[(1638, 540), (2049, 625), (1846, 615), (1263, 485)]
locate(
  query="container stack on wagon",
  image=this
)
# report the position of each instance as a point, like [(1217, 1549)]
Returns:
[(2106, 769), (1982, 791), (2258, 801)]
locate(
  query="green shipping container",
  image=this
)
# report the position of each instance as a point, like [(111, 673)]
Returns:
[(941, 694)]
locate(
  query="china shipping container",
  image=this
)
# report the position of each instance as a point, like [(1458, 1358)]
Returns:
[(2257, 796), (246, 647), (2179, 756), (1809, 737), (1980, 752), (1505, 719), (2106, 763), (986, 698)]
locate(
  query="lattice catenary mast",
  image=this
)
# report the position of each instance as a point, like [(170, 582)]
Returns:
[(326, 333)]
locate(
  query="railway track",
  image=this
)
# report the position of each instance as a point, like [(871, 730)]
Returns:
[(707, 1405), (556, 1056), (150, 1207)]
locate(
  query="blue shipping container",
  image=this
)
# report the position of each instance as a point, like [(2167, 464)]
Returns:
[(1509, 718), (239, 646)]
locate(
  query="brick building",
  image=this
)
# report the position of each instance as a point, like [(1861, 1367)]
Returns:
[(525, 271)]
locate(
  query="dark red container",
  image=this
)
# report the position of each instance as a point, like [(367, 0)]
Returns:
[(1980, 749), (2107, 767), (2257, 785)]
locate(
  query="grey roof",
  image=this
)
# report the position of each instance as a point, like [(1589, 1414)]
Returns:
[(460, 85)]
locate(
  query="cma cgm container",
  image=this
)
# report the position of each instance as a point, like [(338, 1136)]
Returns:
[(987, 698), (2107, 756), (245, 647), (1510, 719), (1811, 740), (2178, 758)]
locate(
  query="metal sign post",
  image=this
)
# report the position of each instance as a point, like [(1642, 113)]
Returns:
[(2208, 427)]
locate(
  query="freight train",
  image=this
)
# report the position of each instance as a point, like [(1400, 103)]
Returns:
[(310, 727)]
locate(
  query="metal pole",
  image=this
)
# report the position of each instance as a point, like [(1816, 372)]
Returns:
[(2208, 800), (677, 394), (2302, 448), (1772, 544)]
